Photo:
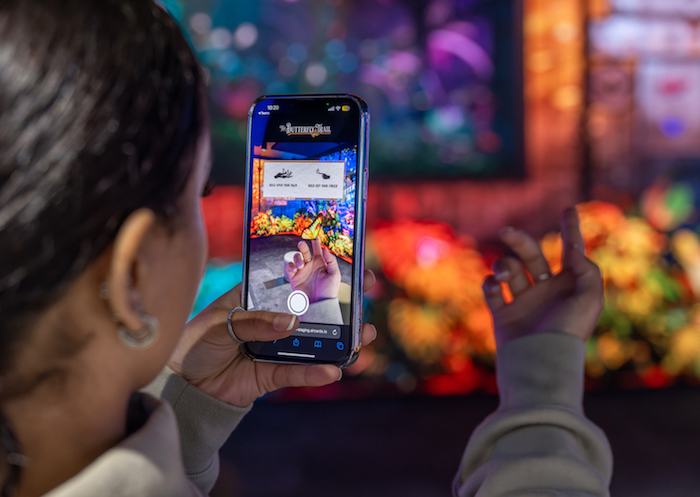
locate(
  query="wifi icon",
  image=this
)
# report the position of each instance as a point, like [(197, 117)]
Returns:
[(337, 107)]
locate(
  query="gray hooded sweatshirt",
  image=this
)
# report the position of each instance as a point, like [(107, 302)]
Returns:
[(537, 443)]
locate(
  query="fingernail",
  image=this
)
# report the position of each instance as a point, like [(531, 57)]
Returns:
[(502, 276), (505, 230), (340, 376), (284, 322), (376, 333)]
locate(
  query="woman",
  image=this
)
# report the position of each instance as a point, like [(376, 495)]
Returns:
[(104, 154)]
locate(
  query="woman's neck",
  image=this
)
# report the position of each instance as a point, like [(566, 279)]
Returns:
[(59, 435), (71, 382)]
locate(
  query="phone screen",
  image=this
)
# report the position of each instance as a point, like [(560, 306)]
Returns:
[(303, 252)]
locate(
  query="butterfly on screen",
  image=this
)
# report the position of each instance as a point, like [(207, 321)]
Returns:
[(313, 231)]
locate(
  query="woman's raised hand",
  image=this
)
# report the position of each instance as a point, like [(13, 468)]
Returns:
[(569, 302), (208, 358)]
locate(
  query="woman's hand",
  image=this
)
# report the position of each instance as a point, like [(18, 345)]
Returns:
[(209, 359), (569, 302), (317, 274)]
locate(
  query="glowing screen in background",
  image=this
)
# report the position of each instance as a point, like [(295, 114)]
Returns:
[(441, 77)]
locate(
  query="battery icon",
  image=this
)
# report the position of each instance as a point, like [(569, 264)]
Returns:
[(346, 108)]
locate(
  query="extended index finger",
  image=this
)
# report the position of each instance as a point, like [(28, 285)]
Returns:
[(571, 235), (316, 245)]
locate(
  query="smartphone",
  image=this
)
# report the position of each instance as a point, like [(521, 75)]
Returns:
[(303, 249)]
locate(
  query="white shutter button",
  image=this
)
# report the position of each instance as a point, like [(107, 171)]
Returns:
[(298, 302)]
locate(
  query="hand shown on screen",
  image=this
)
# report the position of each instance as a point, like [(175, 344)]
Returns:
[(317, 274), (569, 302)]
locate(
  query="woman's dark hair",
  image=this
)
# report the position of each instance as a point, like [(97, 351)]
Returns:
[(100, 113)]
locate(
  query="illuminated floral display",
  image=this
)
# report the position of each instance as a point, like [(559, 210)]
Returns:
[(648, 334), (441, 311), (432, 303), (648, 299), (436, 333)]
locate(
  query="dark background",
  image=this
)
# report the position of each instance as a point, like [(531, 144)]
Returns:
[(411, 447)]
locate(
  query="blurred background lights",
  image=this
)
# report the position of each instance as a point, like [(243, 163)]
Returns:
[(421, 100), (667, 205), (368, 49), (672, 126), (200, 23), (429, 251), (439, 12), (278, 50), (451, 42), (565, 31), (287, 67), (220, 38), (245, 35), (316, 74), (335, 49), (348, 63), (230, 63), (297, 53), (567, 96), (446, 119)]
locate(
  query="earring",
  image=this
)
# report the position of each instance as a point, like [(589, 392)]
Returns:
[(142, 338), (135, 339)]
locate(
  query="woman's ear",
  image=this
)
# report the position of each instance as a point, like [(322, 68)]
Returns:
[(127, 264)]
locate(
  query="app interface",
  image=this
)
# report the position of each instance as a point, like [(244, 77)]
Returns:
[(304, 167)]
